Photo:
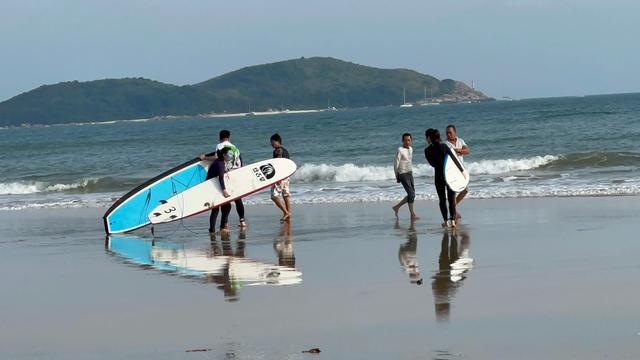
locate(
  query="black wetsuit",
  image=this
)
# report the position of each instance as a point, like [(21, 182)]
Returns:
[(435, 154), (217, 169), (281, 152)]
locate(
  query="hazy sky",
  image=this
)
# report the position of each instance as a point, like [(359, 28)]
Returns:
[(526, 48)]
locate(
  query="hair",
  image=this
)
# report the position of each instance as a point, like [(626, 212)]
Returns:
[(225, 134), (276, 137), (405, 135), (433, 135), (222, 152), (451, 126)]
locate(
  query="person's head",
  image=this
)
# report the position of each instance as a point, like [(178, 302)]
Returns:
[(433, 136), (225, 134), (222, 153), (276, 140), (406, 140), (451, 133)]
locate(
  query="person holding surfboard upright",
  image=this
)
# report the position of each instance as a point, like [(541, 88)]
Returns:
[(280, 193), (233, 161), (217, 168), (402, 167), (435, 154), (460, 148)]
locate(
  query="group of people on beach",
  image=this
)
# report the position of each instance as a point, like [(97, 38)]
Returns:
[(226, 158), (435, 154)]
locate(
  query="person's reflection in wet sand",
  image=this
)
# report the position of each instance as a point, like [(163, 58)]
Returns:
[(283, 246), (407, 255), (223, 279), (454, 262)]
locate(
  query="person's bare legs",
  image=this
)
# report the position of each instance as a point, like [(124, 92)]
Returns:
[(287, 206), (413, 213), (281, 205), (459, 198), (397, 206)]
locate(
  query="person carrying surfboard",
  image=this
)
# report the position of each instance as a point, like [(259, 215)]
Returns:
[(402, 167), (460, 148), (217, 169), (435, 155), (233, 161), (280, 193)]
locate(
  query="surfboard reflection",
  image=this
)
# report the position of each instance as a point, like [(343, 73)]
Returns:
[(454, 263), (220, 264)]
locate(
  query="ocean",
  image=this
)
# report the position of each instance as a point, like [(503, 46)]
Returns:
[(574, 146)]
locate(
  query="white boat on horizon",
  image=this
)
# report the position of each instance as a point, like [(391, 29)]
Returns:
[(404, 100)]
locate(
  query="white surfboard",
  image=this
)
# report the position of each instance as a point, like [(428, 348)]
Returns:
[(455, 174), (208, 194)]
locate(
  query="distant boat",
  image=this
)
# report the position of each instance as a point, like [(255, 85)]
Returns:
[(425, 103), (404, 100)]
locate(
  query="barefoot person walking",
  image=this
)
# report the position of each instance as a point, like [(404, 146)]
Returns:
[(435, 154), (404, 174), (280, 193)]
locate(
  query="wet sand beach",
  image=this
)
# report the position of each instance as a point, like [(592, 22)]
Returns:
[(542, 278)]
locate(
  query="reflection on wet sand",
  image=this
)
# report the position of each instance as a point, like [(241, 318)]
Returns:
[(283, 246), (407, 255), (221, 263), (454, 262)]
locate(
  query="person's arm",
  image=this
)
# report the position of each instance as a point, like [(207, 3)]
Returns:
[(428, 154), (221, 178), (210, 156), (396, 162), (464, 150)]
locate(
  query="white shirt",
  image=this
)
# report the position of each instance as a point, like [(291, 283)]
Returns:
[(233, 162), (402, 162), (459, 144)]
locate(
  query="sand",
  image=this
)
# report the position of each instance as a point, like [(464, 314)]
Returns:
[(552, 278)]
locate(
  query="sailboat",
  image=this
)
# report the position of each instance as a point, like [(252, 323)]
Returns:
[(404, 100), (425, 103)]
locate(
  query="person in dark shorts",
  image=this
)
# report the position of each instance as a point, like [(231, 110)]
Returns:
[(280, 193), (435, 154), (403, 169), (217, 168)]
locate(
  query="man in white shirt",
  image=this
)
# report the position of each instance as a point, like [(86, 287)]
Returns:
[(402, 168), (460, 147)]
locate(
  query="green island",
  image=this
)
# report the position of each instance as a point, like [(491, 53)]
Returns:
[(298, 84)]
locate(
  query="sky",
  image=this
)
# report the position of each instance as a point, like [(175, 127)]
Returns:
[(520, 49)]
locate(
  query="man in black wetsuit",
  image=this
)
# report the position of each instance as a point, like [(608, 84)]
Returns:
[(435, 154)]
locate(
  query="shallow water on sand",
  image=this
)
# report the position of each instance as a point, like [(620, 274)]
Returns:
[(520, 278)]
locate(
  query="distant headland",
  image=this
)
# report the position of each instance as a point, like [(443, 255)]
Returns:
[(299, 84)]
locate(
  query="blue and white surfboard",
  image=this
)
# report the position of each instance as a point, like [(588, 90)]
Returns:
[(132, 210)]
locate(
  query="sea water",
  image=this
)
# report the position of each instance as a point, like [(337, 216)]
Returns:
[(576, 146)]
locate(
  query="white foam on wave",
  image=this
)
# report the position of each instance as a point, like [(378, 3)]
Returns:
[(502, 166), (353, 173), (33, 187)]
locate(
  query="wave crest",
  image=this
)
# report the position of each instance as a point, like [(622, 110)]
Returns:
[(33, 187), (311, 173)]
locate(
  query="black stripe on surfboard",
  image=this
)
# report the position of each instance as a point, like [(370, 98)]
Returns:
[(140, 187), (455, 160)]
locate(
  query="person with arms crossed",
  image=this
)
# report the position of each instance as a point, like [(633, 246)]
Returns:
[(460, 148)]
